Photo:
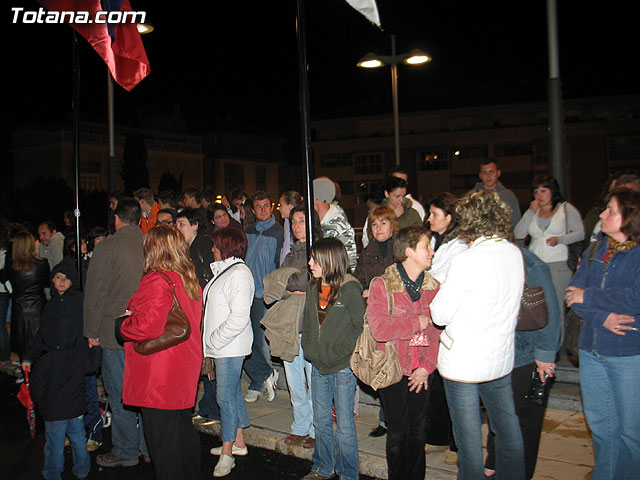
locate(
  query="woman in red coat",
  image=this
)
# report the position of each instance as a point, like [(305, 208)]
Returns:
[(164, 384)]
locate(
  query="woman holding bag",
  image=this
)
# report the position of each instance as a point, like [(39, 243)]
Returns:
[(410, 289), (164, 384)]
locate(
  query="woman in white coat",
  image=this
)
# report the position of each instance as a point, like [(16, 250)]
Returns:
[(227, 338), (478, 305)]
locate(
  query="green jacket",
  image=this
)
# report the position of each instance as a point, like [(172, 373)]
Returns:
[(329, 348)]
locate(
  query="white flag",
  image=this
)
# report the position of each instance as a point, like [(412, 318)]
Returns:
[(368, 8)]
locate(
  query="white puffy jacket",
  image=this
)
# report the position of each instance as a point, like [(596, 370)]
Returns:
[(227, 323), (478, 303)]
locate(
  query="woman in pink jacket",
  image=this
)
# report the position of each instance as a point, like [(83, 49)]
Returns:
[(164, 384), (406, 322)]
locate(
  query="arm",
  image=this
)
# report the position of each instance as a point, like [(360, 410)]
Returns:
[(96, 291), (521, 230), (354, 303), (238, 293), (403, 322), (546, 339), (576, 228), (444, 306), (149, 307)]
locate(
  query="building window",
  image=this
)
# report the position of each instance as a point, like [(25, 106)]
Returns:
[(368, 190), (623, 153), (473, 152), (332, 160), (346, 187), (437, 159), (368, 163)]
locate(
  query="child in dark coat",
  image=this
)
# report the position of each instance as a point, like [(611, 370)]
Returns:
[(60, 357)]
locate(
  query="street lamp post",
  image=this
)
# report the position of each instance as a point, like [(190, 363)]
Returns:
[(415, 57)]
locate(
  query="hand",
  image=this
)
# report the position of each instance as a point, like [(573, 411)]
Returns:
[(425, 321), (615, 323), (418, 380), (26, 366), (225, 202), (534, 206), (365, 293), (93, 342), (552, 241), (574, 295), (545, 369)]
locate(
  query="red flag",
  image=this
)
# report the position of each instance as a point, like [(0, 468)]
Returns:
[(123, 51)]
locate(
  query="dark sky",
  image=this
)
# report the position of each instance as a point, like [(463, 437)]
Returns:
[(237, 60)]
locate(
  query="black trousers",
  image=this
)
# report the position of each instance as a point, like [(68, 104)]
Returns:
[(405, 413), (438, 427), (530, 417), (174, 444)]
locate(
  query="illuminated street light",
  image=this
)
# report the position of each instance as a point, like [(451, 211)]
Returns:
[(371, 60)]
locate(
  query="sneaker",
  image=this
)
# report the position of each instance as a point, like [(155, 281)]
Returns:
[(112, 460), (224, 466), (241, 452), (314, 476), (252, 396), (92, 445), (379, 431), (271, 384)]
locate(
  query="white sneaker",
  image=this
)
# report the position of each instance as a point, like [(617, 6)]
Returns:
[(271, 384), (252, 396), (241, 452), (224, 466)]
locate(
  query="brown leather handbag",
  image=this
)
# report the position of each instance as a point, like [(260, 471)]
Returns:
[(533, 313), (176, 330)]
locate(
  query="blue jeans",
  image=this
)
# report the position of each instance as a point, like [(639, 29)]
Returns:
[(230, 400), (299, 382), (258, 365), (56, 431), (339, 454), (127, 435), (208, 404), (93, 418), (464, 408), (611, 399)]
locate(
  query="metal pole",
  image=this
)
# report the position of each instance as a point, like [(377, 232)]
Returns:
[(557, 162), (303, 93), (76, 150), (110, 121), (394, 92)]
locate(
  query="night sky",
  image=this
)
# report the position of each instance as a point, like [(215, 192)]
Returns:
[(235, 62)]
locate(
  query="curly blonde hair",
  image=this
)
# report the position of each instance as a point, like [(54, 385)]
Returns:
[(482, 214)]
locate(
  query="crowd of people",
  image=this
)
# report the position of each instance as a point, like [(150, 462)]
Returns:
[(183, 289)]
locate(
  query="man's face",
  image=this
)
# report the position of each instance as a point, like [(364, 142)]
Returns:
[(262, 209), (144, 205), (188, 201), (61, 283), (188, 231), (44, 234), (489, 175), (164, 219)]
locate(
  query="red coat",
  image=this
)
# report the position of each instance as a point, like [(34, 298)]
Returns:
[(403, 323), (167, 380)]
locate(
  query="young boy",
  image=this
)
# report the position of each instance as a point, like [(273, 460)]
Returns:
[(60, 357)]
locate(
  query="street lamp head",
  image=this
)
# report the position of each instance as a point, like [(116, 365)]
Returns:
[(370, 60), (144, 28), (416, 57)]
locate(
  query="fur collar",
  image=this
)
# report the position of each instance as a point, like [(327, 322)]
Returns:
[(395, 285)]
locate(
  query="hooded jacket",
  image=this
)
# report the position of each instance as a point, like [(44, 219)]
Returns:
[(263, 251), (507, 197)]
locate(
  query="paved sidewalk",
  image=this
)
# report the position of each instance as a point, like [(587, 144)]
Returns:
[(565, 446)]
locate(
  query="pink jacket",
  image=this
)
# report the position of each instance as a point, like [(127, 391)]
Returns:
[(403, 322)]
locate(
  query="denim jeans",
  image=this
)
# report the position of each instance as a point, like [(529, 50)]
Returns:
[(127, 435), (232, 407), (208, 404), (258, 365), (611, 399), (93, 418), (56, 431), (464, 408), (299, 382), (339, 454)]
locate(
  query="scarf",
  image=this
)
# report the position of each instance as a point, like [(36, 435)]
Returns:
[(413, 288), (616, 246)]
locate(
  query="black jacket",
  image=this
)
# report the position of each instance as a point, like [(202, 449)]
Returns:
[(202, 257)]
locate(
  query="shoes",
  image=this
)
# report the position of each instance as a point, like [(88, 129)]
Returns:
[(451, 458), (293, 439), (379, 431), (252, 396), (309, 442), (92, 445), (314, 476), (271, 384), (241, 452), (112, 460), (224, 466)]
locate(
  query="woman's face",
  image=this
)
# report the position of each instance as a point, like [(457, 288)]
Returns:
[(612, 220), (221, 219), (422, 255), (543, 196), (316, 270), (285, 208), (395, 197), (298, 226), (438, 220), (381, 228)]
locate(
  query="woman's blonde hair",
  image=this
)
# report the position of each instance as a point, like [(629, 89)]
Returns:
[(23, 251), (166, 249), (382, 212), (332, 257), (482, 214)]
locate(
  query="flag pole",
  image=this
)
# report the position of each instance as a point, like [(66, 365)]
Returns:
[(303, 92), (76, 150)]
